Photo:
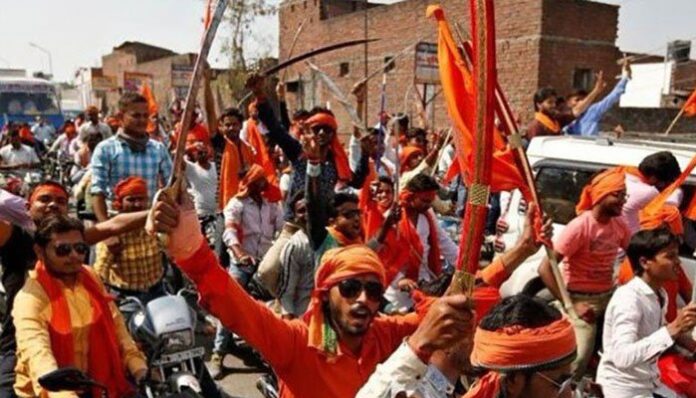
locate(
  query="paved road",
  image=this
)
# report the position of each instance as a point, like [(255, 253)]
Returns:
[(241, 381)]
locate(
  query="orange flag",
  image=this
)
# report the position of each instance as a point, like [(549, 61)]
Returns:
[(659, 201), (458, 90), (690, 105), (152, 107)]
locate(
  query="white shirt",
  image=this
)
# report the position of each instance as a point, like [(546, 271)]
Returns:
[(43, 132), (639, 195), (63, 145), (13, 157), (88, 127), (251, 226), (401, 372), (634, 337), (448, 249), (203, 187)]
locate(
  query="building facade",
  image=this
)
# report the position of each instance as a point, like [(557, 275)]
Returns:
[(557, 43)]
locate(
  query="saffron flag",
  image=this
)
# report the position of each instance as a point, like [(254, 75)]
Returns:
[(690, 105), (458, 89), (152, 108)]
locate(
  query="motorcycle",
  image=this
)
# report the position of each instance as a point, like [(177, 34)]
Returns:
[(165, 331)]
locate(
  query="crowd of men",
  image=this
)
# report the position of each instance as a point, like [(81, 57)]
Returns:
[(332, 263)]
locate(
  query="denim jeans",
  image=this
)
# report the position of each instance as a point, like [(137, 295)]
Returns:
[(8, 360), (223, 337)]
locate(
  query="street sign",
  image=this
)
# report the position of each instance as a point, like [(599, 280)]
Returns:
[(104, 83), (426, 70)]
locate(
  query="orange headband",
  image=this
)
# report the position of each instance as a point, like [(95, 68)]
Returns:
[(127, 187), (324, 119), (517, 347), (406, 154), (50, 189), (604, 184)]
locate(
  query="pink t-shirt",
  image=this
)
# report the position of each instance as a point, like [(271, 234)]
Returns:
[(589, 251)]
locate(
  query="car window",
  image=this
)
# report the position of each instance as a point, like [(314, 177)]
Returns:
[(559, 190)]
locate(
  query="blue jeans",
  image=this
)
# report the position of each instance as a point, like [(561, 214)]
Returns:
[(223, 337)]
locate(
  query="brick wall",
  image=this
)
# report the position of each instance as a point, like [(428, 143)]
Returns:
[(534, 48)]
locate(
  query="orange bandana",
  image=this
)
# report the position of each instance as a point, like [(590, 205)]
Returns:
[(337, 265), (48, 188), (551, 124), (516, 347), (127, 187), (339, 154), (254, 174), (604, 184), (667, 215), (407, 153)]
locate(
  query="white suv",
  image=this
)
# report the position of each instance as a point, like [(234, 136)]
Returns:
[(562, 167)]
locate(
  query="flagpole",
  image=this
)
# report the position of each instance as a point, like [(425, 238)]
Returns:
[(675, 120)]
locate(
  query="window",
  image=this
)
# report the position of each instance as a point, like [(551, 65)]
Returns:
[(343, 69), (582, 79), (559, 190), (390, 63)]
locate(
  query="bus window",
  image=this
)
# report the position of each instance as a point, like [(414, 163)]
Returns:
[(12, 103), (559, 191)]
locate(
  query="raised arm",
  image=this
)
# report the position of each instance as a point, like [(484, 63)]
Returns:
[(283, 106), (117, 225), (290, 146), (600, 85)]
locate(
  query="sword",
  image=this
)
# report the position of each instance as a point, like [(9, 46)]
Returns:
[(302, 57), (176, 180), (338, 94)]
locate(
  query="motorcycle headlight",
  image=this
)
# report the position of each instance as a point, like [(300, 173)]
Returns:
[(178, 340)]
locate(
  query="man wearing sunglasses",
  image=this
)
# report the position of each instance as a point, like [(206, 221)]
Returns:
[(335, 347), (64, 317), (334, 160), (17, 256)]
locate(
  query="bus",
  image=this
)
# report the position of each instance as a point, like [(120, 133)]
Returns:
[(22, 99)]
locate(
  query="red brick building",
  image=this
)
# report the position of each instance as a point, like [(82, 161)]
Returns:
[(558, 43)]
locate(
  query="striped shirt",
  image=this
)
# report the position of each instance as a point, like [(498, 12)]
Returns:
[(113, 160)]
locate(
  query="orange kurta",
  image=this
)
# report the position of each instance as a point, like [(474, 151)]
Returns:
[(302, 371)]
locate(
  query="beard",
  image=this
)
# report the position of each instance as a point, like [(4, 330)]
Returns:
[(343, 324)]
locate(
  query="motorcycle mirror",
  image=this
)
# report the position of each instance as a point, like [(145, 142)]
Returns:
[(65, 379)]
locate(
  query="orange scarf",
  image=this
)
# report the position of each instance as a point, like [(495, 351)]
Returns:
[(336, 265), (409, 234), (487, 386), (236, 158), (551, 124), (339, 154), (264, 159), (105, 362), (372, 212), (407, 153)]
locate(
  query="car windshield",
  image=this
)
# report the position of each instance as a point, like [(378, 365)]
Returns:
[(28, 103)]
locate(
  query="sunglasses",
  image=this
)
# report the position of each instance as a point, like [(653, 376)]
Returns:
[(64, 249), (327, 129), (564, 387), (351, 288)]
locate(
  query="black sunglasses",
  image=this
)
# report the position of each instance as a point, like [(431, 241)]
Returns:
[(64, 249), (351, 288), (327, 129)]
